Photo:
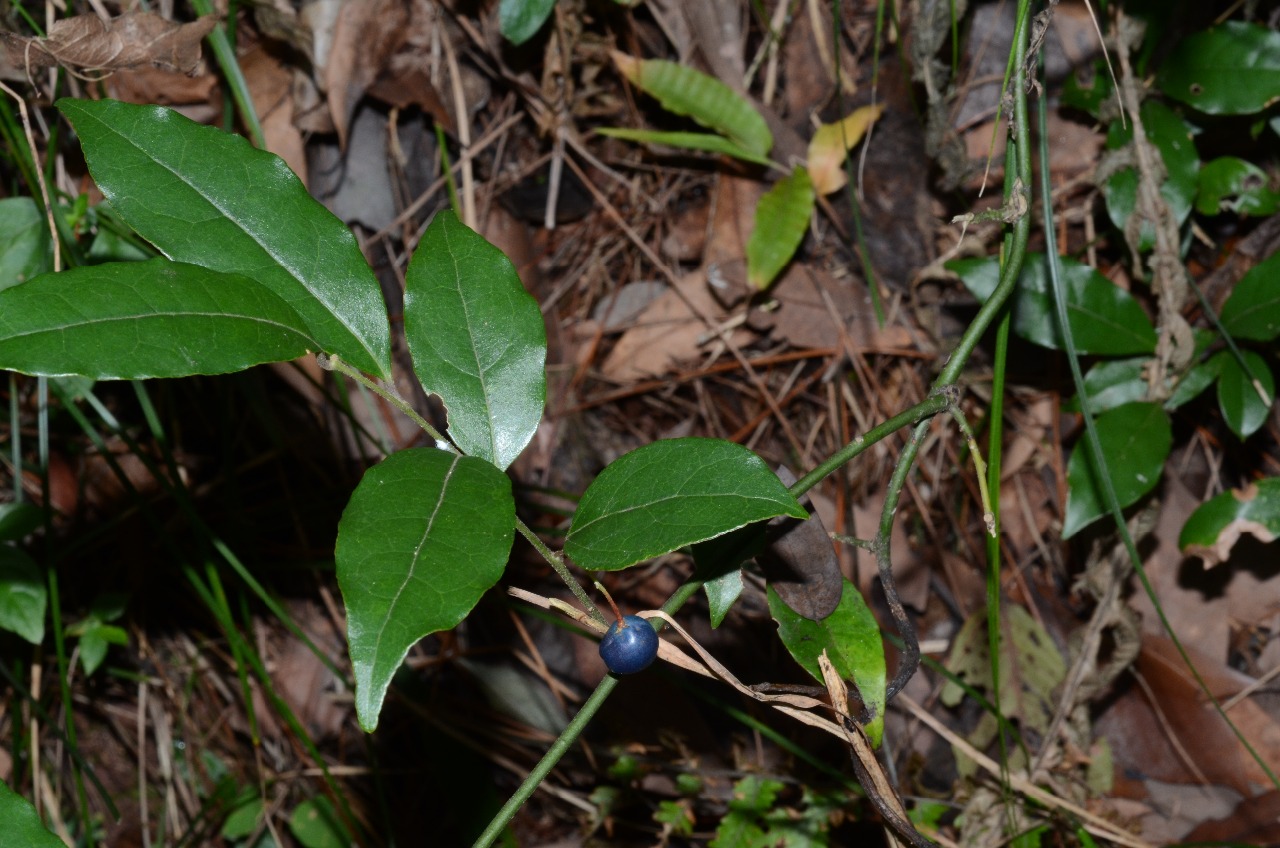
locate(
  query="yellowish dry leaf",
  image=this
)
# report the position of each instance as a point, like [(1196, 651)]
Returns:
[(832, 143)]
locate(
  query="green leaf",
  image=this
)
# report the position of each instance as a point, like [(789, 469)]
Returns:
[(133, 320), (1231, 184), (1230, 69), (1253, 310), (477, 340), (1193, 383), (1105, 319), (1243, 408), (22, 596), (24, 241), (1135, 440), (94, 643), (209, 198), (520, 20), (669, 494), (1112, 383), (1172, 137), (22, 825), (685, 91), (425, 535), (1218, 523), (17, 520), (315, 824), (851, 638), (1088, 88), (782, 217), (722, 593), (688, 141)]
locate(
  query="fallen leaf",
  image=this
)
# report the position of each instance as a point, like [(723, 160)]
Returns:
[(831, 144), (87, 43)]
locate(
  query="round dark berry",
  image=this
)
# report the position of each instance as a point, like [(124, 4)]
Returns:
[(630, 645)]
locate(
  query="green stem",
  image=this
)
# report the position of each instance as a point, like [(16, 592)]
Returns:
[(557, 562), (225, 54), (384, 390)]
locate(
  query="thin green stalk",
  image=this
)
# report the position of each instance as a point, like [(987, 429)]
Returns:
[(1102, 473), (386, 390), (225, 54)]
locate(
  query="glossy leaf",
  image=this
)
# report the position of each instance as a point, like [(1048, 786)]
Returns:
[(1135, 440), (1199, 378), (706, 142), (1172, 137), (22, 825), (145, 319), (1253, 310), (831, 144), (782, 217), (851, 638), (722, 593), (520, 20), (1105, 319), (1242, 406), (1229, 69), (24, 241), (22, 595), (1112, 383), (689, 92), (669, 494), (1218, 523), (425, 535), (1231, 184), (477, 340), (315, 824), (210, 199)]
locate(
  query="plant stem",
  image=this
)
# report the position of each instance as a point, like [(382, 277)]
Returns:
[(384, 390), (557, 562)]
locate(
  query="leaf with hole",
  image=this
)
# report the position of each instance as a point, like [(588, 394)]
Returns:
[(705, 99), (1229, 69), (1135, 441), (1105, 319), (145, 319), (1172, 138), (210, 199), (1253, 310), (782, 218), (1231, 184), (669, 494), (1218, 523), (1240, 398), (851, 638), (705, 142), (477, 340), (425, 535)]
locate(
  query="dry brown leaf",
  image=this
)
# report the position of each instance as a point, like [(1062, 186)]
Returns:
[(811, 306), (831, 144), (89, 44), (364, 37), (271, 87)]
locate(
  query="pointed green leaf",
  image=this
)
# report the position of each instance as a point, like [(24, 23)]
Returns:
[(688, 141), (1218, 523), (1230, 69), (131, 320), (1105, 319), (722, 593), (425, 535), (1253, 310), (520, 20), (851, 638), (22, 825), (685, 91), (22, 595), (1135, 440), (1111, 383), (782, 217), (477, 340), (24, 241), (669, 494), (209, 198), (1243, 408)]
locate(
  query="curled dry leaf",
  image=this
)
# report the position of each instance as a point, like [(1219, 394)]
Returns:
[(88, 43)]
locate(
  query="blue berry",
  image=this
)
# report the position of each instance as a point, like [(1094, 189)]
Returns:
[(630, 645)]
